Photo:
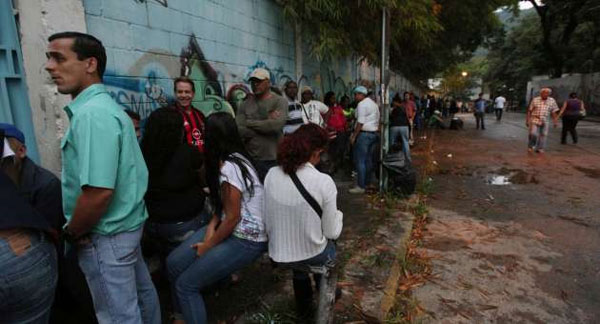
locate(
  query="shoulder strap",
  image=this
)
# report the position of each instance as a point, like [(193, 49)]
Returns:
[(305, 113), (311, 201)]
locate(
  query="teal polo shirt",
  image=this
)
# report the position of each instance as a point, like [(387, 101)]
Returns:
[(100, 149)]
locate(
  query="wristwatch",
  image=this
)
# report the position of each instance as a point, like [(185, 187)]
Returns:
[(69, 236)]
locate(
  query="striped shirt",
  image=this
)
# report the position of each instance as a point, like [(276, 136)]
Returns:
[(193, 124), (540, 110), (294, 120)]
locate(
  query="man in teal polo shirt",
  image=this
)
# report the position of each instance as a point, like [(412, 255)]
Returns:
[(104, 179)]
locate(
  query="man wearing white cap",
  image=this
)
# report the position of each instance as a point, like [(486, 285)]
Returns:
[(364, 137), (260, 120), (538, 115), (312, 110)]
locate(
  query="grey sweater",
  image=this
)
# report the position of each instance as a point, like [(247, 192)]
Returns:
[(259, 129)]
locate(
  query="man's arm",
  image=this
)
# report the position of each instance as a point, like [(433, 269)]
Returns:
[(562, 109), (241, 121), (98, 146), (529, 109), (554, 114), (274, 123), (357, 130), (90, 206)]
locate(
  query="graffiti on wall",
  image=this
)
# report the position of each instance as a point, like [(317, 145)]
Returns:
[(163, 3), (151, 87)]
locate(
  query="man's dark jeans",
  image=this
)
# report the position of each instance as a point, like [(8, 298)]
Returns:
[(498, 113), (569, 124), (303, 291), (479, 116)]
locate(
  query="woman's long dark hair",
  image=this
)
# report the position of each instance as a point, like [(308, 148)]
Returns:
[(297, 148), (222, 139), (163, 135)]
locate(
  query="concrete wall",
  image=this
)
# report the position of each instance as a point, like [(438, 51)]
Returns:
[(587, 87), (215, 42), (150, 42), (39, 19)]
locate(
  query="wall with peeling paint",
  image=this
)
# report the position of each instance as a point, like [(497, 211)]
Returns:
[(39, 19), (215, 42), (150, 42), (587, 87)]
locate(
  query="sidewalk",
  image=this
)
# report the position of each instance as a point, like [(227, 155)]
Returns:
[(510, 237), (369, 256)]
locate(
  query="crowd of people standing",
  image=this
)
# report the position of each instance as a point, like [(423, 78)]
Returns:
[(213, 193), (209, 192)]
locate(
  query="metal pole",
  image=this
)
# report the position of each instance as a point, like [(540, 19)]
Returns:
[(384, 118)]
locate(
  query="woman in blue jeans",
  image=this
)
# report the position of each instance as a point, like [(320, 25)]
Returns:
[(234, 237), (399, 125)]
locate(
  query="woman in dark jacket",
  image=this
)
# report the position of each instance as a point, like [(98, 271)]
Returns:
[(175, 197), (571, 113)]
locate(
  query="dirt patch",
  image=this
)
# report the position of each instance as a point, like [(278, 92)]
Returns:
[(574, 220), (445, 244), (493, 276), (508, 260), (522, 177), (518, 176), (591, 173)]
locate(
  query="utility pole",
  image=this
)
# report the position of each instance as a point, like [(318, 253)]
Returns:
[(385, 102)]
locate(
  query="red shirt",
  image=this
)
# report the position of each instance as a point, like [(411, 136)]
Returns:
[(335, 119), (193, 124)]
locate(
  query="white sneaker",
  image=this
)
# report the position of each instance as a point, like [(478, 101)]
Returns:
[(356, 190)]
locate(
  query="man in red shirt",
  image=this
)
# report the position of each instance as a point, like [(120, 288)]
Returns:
[(193, 119)]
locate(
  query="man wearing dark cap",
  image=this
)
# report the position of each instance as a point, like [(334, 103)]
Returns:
[(260, 120), (37, 185), (30, 216)]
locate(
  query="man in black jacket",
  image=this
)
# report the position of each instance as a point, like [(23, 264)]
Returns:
[(30, 205)]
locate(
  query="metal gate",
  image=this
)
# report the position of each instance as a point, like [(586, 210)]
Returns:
[(14, 101)]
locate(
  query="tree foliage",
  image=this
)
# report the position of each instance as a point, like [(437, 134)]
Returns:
[(426, 35), (516, 57), (559, 22)]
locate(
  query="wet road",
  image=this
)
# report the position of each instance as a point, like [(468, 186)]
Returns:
[(515, 236)]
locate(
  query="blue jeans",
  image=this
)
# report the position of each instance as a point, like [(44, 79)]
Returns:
[(479, 118), (303, 292), (169, 235), (537, 136), (118, 278), (27, 279), (363, 156), (400, 131), (189, 274)]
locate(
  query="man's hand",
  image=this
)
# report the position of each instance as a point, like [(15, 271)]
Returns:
[(352, 139), (275, 114)]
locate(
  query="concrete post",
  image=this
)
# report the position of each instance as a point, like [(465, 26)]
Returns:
[(39, 19)]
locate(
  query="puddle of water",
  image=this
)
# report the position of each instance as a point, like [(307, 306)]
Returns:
[(498, 180)]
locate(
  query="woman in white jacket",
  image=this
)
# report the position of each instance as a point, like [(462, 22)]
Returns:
[(297, 234)]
